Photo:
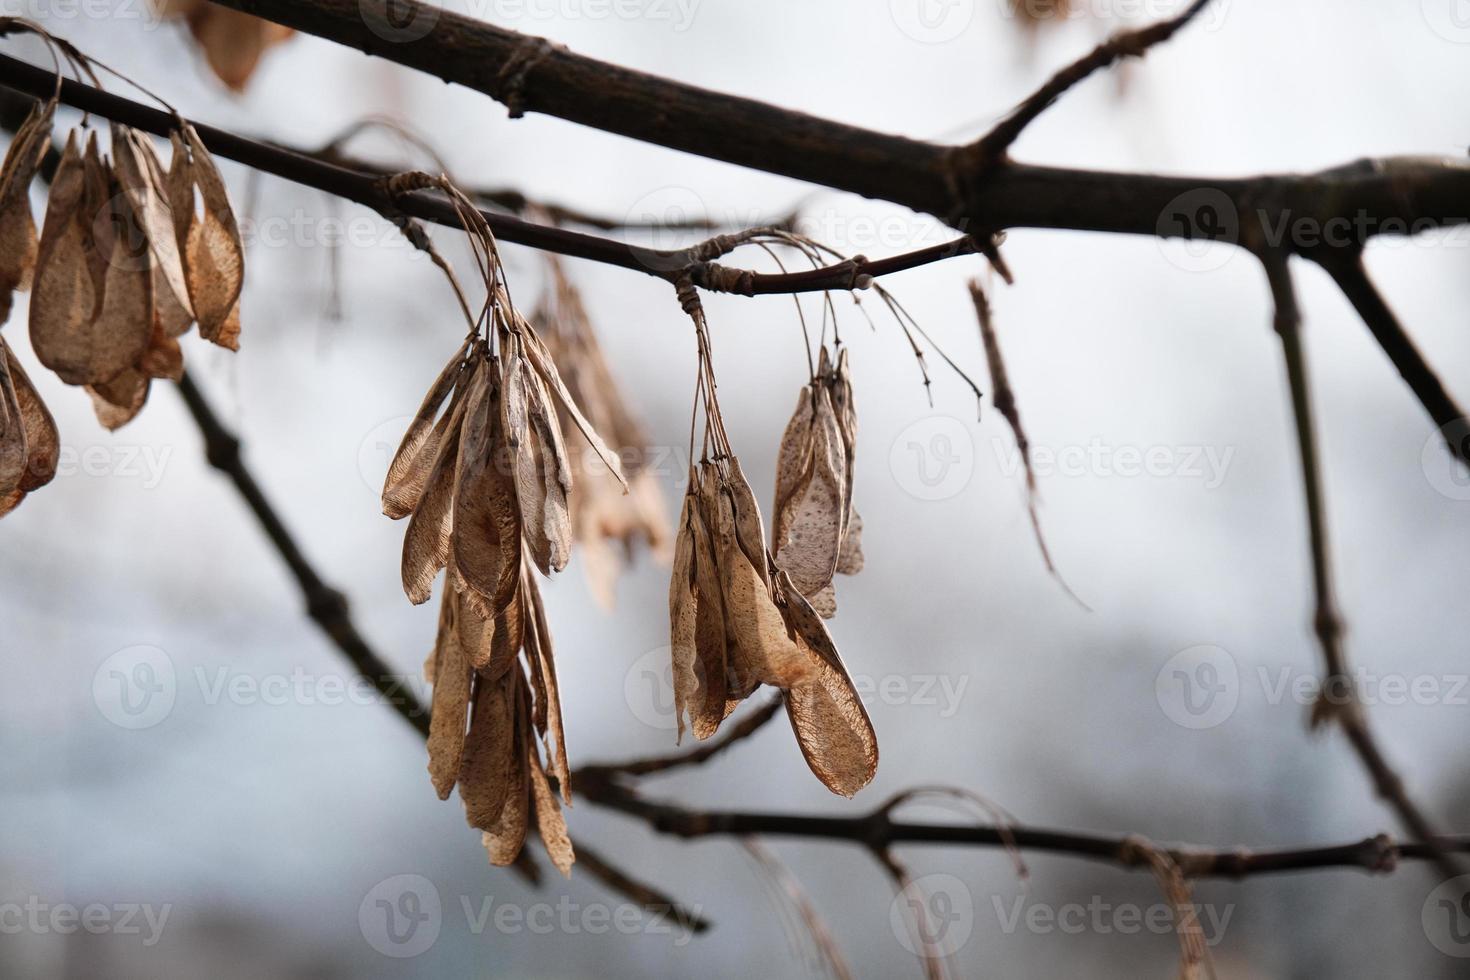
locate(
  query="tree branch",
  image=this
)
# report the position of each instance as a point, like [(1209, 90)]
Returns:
[(1348, 271), (1338, 700)]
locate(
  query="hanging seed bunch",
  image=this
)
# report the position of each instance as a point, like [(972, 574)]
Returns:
[(817, 531), (128, 257), (738, 620), (29, 444), (484, 478), (608, 524)]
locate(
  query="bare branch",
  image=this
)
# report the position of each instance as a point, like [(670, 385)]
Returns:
[(1125, 44), (1352, 278), (1338, 701)]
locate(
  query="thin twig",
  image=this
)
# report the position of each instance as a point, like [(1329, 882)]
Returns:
[(1348, 272), (1004, 397), (743, 728), (1326, 620)]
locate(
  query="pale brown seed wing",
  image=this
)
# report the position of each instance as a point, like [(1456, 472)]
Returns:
[(683, 617), (549, 822), (545, 654), (541, 359), (426, 541), (525, 460), (233, 42), (501, 637), (43, 443), (827, 715), (791, 464), (814, 534), (555, 471), (140, 174), (749, 527), (118, 400), (123, 328), (214, 258), (452, 676), (486, 539), (488, 761), (164, 358), (64, 294), (761, 650), (18, 240), (711, 636), (412, 463), (503, 841), (13, 451)]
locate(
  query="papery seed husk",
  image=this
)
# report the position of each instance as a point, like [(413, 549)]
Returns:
[(488, 764), (13, 451), (541, 359), (814, 514), (503, 841), (827, 714), (452, 676), (426, 540), (711, 635), (414, 459), (209, 240), (485, 542), (549, 822), (64, 296), (43, 443), (118, 400), (139, 173), (683, 616), (546, 654), (18, 240), (164, 358)]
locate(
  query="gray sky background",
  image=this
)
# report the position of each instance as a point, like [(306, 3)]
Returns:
[(264, 827)]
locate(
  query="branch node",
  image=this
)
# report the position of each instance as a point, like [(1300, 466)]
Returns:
[(510, 81)]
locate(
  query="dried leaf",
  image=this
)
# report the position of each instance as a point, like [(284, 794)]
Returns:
[(164, 358), (43, 443), (684, 614), (541, 649)]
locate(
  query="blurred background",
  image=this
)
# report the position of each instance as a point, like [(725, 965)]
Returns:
[(247, 821)]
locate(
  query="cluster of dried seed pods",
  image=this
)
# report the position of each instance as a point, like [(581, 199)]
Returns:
[(738, 620), (130, 254), (484, 477), (608, 524), (817, 532)]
